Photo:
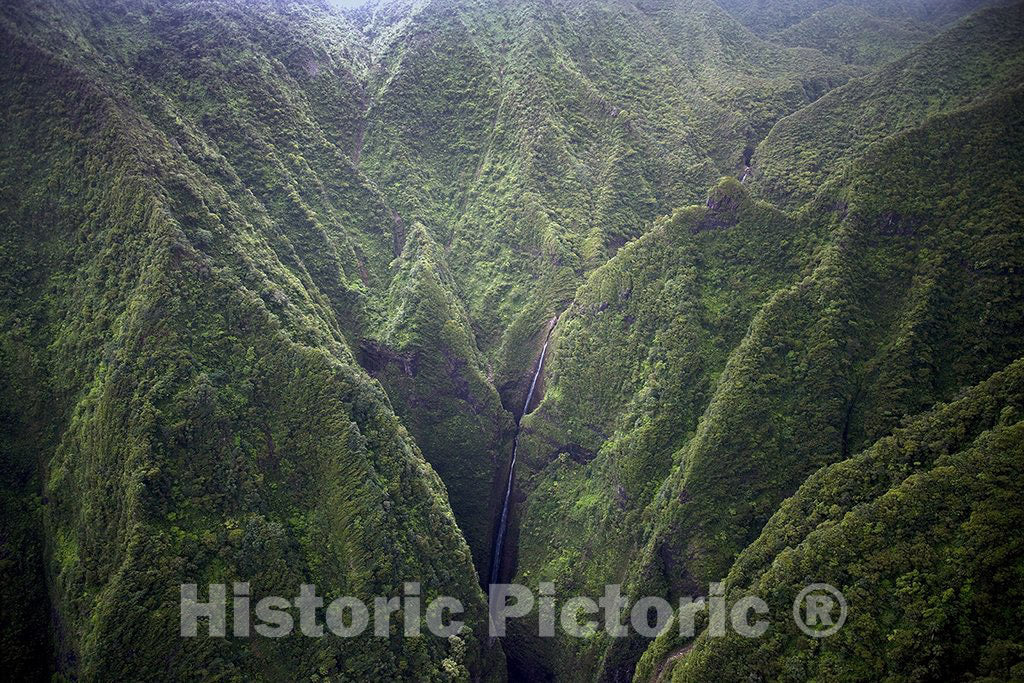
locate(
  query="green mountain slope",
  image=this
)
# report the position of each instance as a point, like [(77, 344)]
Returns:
[(197, 412), (767, 17), (855, 36), (885, 326), (980, 56), (918, 532), (880, 322), (932, 347), (274, 278)]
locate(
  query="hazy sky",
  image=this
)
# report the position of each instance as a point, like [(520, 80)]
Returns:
[(346, 4)]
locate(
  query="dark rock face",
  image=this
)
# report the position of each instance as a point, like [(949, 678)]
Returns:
[(578, 453), (723, 207), (376, 357)]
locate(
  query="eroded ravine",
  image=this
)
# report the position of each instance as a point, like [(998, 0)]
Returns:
[(502, 532)]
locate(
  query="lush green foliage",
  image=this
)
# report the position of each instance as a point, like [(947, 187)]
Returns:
[(854, 35), (767, 17), (977, 58), (909, 289), (273, 279), (920, 532)]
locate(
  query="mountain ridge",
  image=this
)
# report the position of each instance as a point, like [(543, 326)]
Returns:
[(276, 277)]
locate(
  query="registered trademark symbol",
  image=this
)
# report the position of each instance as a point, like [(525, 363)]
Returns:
[(815, 610)]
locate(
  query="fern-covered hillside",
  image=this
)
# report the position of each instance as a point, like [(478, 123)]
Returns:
[(644, 292)]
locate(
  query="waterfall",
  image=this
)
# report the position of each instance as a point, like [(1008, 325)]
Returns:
[(499, 541)]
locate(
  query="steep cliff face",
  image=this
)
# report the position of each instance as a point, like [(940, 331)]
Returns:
[(977, 58), (429, 364), (897, 527), (534, 139), (175, 322), (274, 280), (713, 365)]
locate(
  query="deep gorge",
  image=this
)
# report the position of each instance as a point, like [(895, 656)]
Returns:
[(655, 294)]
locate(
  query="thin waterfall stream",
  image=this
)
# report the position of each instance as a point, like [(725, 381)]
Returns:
[(499, 540)]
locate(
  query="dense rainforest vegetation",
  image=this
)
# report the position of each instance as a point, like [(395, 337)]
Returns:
[(275, 277)]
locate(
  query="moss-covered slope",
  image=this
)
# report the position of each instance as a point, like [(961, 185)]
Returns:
[(977, 58), (261, 262), (919, 533), (534, 139), (908, 297), (193, 408)]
